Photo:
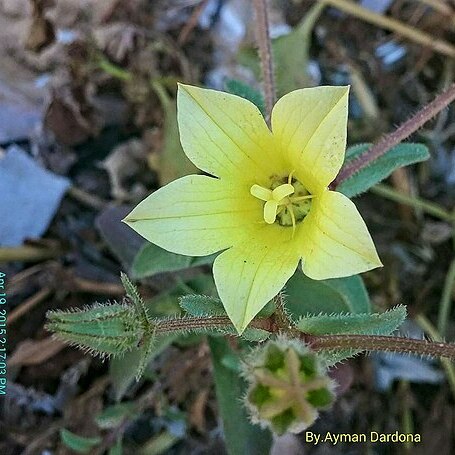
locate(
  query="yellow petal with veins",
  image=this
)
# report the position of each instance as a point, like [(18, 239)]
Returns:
[(251, 273), (196, 215), (310, 126), (335, 241), (226, 135)]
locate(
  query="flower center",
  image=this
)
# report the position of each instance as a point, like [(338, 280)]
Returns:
[(287, 201)]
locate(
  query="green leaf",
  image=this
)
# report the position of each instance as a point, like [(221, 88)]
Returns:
[(245, 91), (114, 415), (122, 370), (398, 156), (77, 443), (159, 444), (203, 305), (152, 260), (338, 295), (240, 435), (291, 54), (117, 449), (361, 324)]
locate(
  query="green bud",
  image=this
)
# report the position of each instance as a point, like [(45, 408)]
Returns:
[(107, 330), (100, 329), (287, 386)]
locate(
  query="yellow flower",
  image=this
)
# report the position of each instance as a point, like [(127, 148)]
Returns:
[(268, 205)]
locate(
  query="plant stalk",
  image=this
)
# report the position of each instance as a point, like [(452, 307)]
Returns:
[(402, 132), (265, 53)]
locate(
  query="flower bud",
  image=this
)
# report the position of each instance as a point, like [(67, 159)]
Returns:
[(287, 386), (101, 329)]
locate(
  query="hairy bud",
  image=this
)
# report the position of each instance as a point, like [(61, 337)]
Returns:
[(287, 386), (110, 329)]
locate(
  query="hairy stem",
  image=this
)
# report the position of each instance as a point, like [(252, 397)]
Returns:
[(210, 322), (265, 54), (316, 342), (401, 133), (380, 343)]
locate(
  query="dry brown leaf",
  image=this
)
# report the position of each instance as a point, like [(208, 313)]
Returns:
[(41, 33), (197, 411), (34, 352)]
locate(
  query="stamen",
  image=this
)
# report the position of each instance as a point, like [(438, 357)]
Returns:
[(301, 198), (291, 212), (279, 201), (270, 209), (282, 191), (264, 194), (290, 177)]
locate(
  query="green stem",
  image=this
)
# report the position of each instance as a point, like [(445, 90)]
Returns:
[(446, 299), (114, 70), (426, 206)]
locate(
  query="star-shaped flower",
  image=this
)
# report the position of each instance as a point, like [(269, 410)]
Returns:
[(267, 206)]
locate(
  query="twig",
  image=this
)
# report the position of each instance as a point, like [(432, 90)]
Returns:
[(89, 200), (30, 303), (401, 133), (265, 53), (191, 23), (393, 25), (97, 287)]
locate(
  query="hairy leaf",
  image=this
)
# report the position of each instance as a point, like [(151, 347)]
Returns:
[(358, 324), (398, 156), (338, 295), (365, 324), (152, 260)]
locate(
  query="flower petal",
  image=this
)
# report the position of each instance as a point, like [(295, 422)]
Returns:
[(226, 135), (310, 125), (250, 274), (195, 215), (335, 239)]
